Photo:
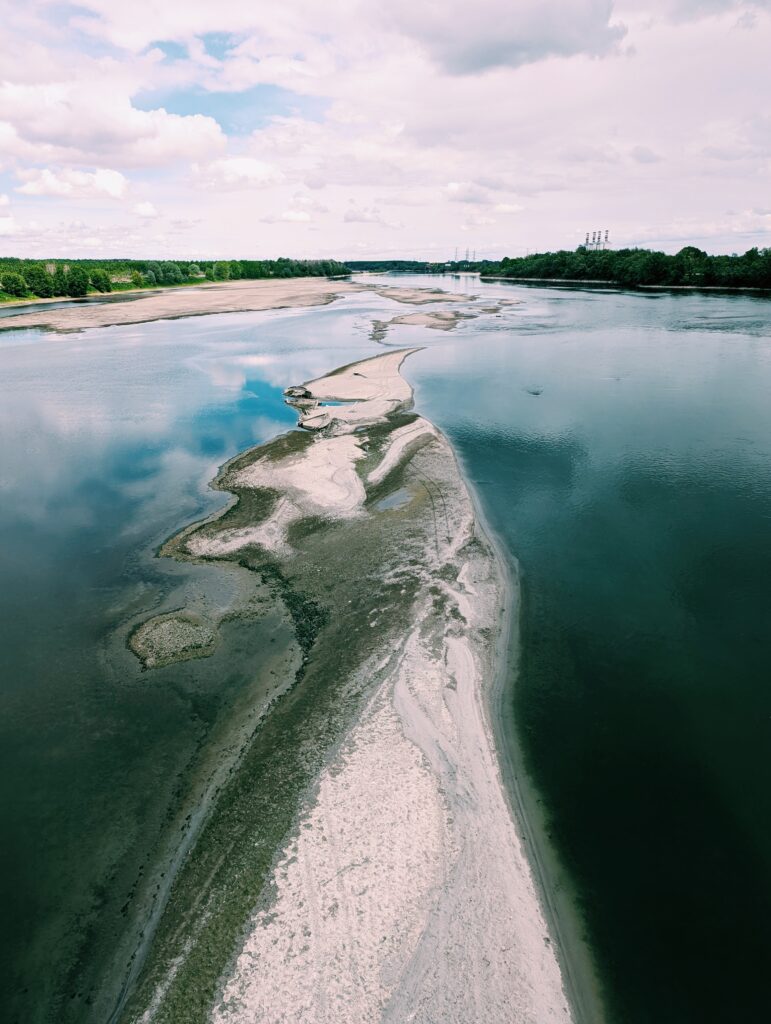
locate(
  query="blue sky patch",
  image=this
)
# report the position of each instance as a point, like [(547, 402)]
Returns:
[(238, 113), (218, 44), (171, 50)]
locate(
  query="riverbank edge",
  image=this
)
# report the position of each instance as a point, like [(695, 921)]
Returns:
[(567, 282), (558, 900)]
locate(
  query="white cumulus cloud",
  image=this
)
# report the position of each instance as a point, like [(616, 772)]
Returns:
[(466, 192), (91, 118), (145, 209), (236, 172), (70, 184)]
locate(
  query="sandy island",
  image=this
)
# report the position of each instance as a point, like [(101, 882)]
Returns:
[(401, 892)]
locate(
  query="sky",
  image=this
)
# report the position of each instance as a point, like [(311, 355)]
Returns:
[(362, 129)]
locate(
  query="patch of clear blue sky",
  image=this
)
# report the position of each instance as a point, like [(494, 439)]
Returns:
[(238, 113), (171, 50), (218, 44)]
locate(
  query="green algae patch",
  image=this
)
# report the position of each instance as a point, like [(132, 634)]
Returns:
[(176, 636)]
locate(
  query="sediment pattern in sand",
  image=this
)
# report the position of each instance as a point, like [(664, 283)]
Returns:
[(405, 893)]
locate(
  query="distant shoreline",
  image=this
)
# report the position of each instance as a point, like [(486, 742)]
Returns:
[(567, 282)]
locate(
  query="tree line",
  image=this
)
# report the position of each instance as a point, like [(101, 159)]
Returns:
[(397, 266), (631, 268), (690, 267), (44, 279)]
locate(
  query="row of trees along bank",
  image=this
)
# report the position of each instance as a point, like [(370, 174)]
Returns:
[(47, 279), (691, 267)]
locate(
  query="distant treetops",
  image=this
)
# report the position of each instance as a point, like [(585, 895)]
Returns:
[(691, 267), (75, 278)]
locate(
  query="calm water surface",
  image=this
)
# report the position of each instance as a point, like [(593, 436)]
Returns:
[(621, 447)]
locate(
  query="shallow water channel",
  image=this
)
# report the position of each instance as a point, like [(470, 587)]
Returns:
[(620, 445)]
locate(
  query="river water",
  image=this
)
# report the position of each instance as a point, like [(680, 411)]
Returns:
[(620, 445)]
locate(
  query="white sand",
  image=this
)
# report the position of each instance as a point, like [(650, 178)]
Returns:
[(398, 443), (405, 895), (373, 388), (225, 297), (319, 481), (354, 889), (366, 380), (439, 320), (421, 296)]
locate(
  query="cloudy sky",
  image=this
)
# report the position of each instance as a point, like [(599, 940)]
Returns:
[(248, 128)]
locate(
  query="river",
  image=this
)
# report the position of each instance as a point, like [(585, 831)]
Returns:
[(620, 446)]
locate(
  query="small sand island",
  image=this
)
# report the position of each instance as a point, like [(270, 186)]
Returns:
[(362, 864)]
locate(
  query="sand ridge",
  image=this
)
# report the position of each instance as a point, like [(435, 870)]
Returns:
[(404, 893)]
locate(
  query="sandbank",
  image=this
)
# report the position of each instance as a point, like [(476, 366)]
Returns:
[(406, 894), (402, 890), (420, 296), (224, 297)]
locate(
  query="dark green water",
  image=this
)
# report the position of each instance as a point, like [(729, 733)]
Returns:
[(621, 446), (635, 489)]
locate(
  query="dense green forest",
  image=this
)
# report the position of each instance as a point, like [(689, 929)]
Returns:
[(398, 266), (635, 267), (691, 267), (45, 279), (628, 267)]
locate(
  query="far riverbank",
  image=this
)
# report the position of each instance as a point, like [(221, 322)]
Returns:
[(567, 282)]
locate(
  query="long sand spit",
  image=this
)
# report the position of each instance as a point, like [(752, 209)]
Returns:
[(401, 892), (406, 895)]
